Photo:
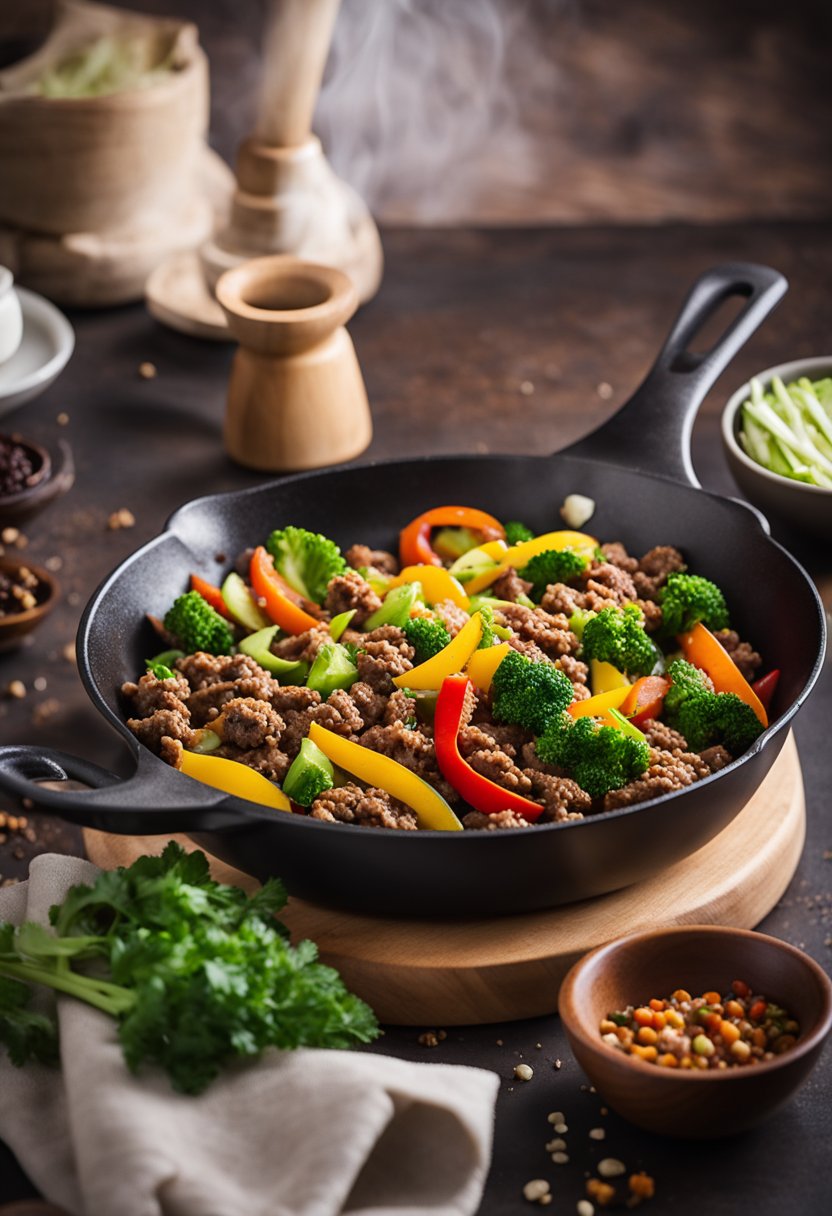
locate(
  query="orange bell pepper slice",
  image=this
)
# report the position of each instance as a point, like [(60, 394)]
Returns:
[(645, 699), (269, 588), (703, 650), (597, 706), (211, 594), (414, 540)]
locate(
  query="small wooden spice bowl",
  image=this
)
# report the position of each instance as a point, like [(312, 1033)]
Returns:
[(692, 1104), (15, 625), (52, 474)]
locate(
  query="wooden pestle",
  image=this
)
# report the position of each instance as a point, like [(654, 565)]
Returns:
[(288, 199), (296, 399)]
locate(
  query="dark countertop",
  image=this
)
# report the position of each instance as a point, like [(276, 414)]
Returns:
[(483, 341)]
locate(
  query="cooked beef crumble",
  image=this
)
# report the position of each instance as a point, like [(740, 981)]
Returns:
[(261, 723)]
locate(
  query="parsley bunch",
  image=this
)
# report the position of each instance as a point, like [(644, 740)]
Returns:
[(196, 972)]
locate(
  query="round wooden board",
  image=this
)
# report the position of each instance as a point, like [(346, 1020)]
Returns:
[(501, 969)]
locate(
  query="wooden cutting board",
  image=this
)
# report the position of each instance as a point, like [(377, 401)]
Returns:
[(446, 973)]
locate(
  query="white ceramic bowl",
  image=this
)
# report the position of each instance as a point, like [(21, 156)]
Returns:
[(806, 507), (11, 318), (48, 341)]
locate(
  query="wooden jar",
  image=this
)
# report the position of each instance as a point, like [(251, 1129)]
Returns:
[(296, 399), (99, 164)]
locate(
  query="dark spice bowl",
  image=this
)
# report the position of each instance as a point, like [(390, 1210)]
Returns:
[(15, 625), (681, 1103), (31, 476)]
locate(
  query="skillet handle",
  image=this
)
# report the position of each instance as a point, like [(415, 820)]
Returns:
[(651, 432), (156, 800)]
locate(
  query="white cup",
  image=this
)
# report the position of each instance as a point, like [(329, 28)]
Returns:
[(11, 318)]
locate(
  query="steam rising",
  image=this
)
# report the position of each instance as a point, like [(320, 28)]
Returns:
[(428, 106)]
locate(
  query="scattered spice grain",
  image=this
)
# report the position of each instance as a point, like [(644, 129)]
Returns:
[(523, 1072), (147, 370), (122, 518), (537, 1190)]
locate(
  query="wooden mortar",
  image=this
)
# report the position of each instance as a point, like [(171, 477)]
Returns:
[(296, 398)]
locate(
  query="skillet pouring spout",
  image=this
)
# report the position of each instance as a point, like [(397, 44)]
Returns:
[(637, 469)]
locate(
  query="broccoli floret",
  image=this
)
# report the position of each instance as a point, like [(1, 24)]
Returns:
[(427, 635), (689, 598), (306, 560), (599, 758), (706, 717), (552, 566), (529, 694), (198, 626), (309, 775), (738, 723), (516, 532), (617, 636)]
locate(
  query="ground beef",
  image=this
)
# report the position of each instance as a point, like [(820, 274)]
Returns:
[(499, 767), (399, 708), (652, 614), (452, 617), (617, 555), (268, 759), (338, 714), (387, 653), (510, 586), (247, 723), (506, 735), (529, 650), (296, 728), (559, 598), (375, 559), (474, 739), (208, 702), (654, 568), (302, 646), (659, 734), (668, 772), (743, 654), (151, 730), (349, 590), (170, 750), (606, 584), (289, 698), (716, 757), (413, 748), (549, 632), (151, 694), (576, 671), (368, 701), (365, 808), (201, 669), (478, 822), (562, 797)]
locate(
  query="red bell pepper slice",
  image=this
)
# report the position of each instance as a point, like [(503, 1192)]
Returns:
[(270, 589), (766, 687), (414, 540), (211, 595), (645, 699), (480, 793)]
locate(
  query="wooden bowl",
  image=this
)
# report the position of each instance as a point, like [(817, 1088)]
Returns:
[(52, 476), (806, 507), (686, 1104), (14, 626)]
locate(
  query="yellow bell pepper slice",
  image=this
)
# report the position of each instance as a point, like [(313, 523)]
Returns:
[(494, 550), (437, 584), (603, 677), (520, 555), (431, 809), (483, 663), (451, 659), (597, 706), (234, 778)]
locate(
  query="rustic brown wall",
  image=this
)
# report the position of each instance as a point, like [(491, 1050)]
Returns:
[(627, 110)]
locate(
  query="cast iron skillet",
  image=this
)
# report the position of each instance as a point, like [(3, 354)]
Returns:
[(637, 467)]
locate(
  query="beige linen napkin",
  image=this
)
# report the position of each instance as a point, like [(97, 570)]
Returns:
[(306, 1133)]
